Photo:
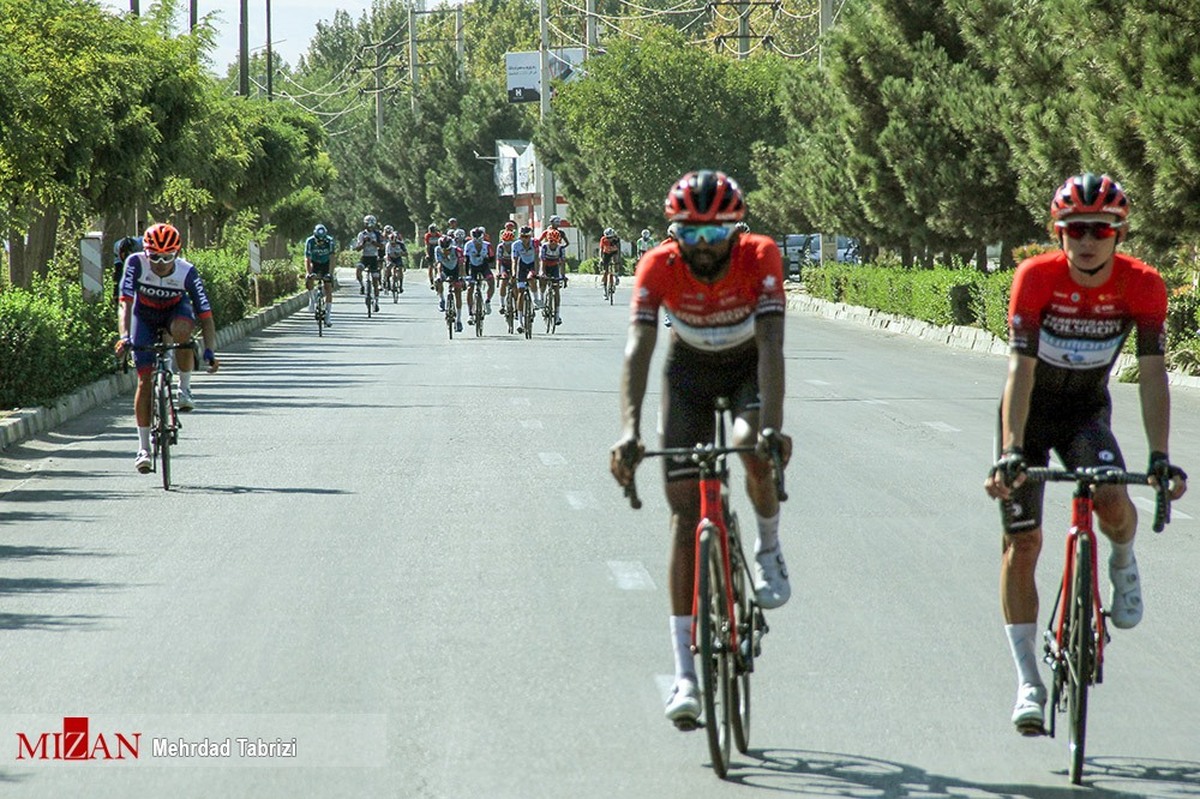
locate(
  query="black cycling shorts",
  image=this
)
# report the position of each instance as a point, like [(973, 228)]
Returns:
[(692, 382), (1080, 440)]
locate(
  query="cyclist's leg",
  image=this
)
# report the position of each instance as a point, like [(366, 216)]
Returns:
[(1094, 445)]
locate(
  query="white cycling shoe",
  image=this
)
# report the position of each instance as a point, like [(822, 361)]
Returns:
[(142, 462), (683, 706), (1029, 712), (186, 403), (771, 586), (1125, 604)]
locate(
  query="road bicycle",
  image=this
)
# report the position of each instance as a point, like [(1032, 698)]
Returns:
[(322, 307), (371, 294), (526, 309), (610, 284), (395, 282), (164, 416), (477, 303), (728, 625), (550, 311), (451, 302), (509, 306), (1077, 632)]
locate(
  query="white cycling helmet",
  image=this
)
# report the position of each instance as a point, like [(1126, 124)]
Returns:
[(369, 220), (609, 232)]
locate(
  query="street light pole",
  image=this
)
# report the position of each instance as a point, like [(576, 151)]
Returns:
[(270, 60)]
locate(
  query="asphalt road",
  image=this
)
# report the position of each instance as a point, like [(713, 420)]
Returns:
[(406, 554)]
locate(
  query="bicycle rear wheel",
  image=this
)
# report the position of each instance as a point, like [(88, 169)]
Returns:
[(748, 633), (1081, 658), (527, 315), (478, 309), (163, 400), (712, 636)]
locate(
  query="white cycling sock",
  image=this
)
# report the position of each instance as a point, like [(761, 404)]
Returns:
[(768, 533), (681, 641), (143, 438), (1122, 554), (185, 381), (1022, 640)]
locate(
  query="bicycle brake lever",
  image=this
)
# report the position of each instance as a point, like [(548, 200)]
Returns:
[(631, 492)]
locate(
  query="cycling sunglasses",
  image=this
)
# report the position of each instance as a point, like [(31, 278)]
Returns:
[(691, 235), (163, 258), (1098, 230)]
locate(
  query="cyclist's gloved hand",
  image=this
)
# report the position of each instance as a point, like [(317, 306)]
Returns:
[(1163, 472), (624, 458), (1011, 465), (123, 344), (772, 441), (211, 359)]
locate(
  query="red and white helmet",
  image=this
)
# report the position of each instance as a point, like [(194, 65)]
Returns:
[(1089, 193), (704, 197)]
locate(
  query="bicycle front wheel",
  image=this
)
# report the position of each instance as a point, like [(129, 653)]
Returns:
[(1081, 658), (748, 634), (712, 637), (163, 399)]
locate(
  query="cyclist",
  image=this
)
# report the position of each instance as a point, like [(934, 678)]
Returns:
[(459, 235), (479, 257), (448, 258), (370, 244), (122, 249), (725, 291), (396, 253), (644, 244), (508, 237), (610, 257), (553, 254), (162, 295), (318, 264), (1069, 315), (525, 263), (431, 239)]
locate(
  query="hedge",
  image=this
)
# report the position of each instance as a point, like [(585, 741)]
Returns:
[(53, 342)]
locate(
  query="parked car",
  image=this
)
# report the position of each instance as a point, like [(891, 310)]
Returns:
[(800, 247)]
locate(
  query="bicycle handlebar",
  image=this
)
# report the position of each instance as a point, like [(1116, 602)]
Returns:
[(1108, 475), (707, 454)]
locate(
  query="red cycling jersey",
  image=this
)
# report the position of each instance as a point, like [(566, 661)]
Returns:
[(712, 317), (1077, 332)]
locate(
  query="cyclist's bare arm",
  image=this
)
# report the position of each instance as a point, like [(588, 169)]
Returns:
[(208, 329), (768, 334), (1014, 414), (639, 347), (1156, 401)]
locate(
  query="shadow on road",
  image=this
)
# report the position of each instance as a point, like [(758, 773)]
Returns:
[(831, 774)]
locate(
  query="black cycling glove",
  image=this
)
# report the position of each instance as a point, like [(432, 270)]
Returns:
[(1162, 470), (1011, 464)]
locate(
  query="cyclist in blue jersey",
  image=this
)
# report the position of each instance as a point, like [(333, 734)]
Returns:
[(319, 249), (448, 258), (525, 261), (479, 256), (122, 249), (162, 295), (553, 255)]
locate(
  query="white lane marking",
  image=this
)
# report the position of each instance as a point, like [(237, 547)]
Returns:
[(942, 427), (817, 382), (630, 575), (531, 424), (522, 401), (875, 402), (582, 500), (1147, 504), (552, 458)]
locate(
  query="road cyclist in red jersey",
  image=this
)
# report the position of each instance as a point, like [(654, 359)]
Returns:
[(1069, 315), (725, 292)]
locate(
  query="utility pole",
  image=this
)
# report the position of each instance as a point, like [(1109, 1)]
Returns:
[(412, 55), (244, 51), (743, 31), (460, 45), (193, 14), (378, 93), (547, 182), (826, 25), (270, 59), (589, 28), (135, 8)]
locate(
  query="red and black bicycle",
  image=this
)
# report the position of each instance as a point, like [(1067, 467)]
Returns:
[(728, 624), (1077, 635)]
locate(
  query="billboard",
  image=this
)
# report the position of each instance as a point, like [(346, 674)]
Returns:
[(523, 71)]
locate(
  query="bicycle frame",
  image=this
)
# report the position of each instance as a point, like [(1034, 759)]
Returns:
[(1081, 526)]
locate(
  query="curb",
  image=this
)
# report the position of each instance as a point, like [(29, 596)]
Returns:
[(960, 337), (24, 423)]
